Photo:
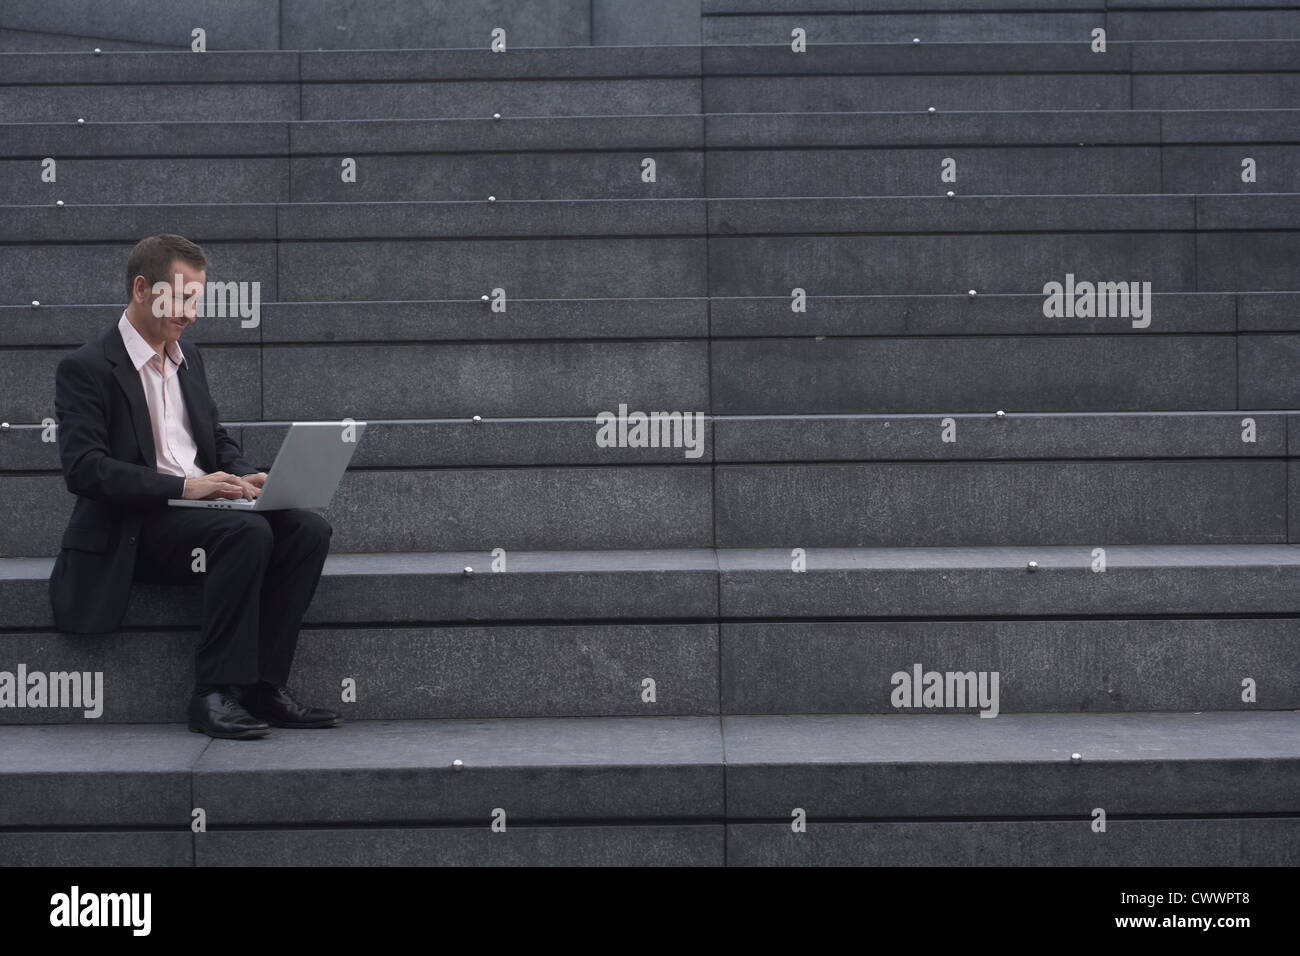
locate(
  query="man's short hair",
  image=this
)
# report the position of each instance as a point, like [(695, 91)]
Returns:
[(153, 258)]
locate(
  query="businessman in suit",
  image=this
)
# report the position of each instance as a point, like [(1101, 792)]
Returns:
[(136, 426)]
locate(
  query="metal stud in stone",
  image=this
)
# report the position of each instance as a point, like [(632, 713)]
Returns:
[(1032, 566), (4, 426), (972, 293), (80, 121), (1076, 758), (483, 298), (58, 202), (477, 420), (98, 51), (492, 198), (496, 116), (916, 39), (930, 110), (458, 764), (467, 570), (951, 194), (1000, 414), (36, 303)]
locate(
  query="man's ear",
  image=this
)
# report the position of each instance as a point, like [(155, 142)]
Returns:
[(140, 289)]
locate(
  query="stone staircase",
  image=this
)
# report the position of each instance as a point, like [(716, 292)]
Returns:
[(665, 654)]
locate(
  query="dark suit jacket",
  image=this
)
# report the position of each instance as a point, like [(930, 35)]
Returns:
[(106, 446)]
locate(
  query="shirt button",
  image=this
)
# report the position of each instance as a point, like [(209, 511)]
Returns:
[(130, 540)]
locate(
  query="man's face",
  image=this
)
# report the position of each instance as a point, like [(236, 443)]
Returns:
[(173, 304)]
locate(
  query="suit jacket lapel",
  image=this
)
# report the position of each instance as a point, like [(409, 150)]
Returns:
[(129, 379), (200, 423)]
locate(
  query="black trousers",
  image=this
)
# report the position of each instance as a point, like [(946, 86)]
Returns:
[(261, 571)]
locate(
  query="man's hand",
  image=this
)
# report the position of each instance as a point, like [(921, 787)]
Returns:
[(257, 479), (220, 484)]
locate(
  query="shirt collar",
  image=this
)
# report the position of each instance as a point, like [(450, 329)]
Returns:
[(140, 350)]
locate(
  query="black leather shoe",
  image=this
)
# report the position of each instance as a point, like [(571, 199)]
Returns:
[(274, 704), (218, 712)]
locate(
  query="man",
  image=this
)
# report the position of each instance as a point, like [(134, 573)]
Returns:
[(136, 426)]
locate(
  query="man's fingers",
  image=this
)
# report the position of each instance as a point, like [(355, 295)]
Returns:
[(228, 489), (226, 485)]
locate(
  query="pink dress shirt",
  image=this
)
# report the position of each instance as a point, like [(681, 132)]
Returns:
[(173, 438)]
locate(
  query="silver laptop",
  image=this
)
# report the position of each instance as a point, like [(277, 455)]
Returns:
[(306, 471)]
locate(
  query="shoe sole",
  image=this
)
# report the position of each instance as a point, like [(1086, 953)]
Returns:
[(321, 724), (239, 735)]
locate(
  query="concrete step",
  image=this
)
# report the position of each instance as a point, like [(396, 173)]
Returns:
[(567, 267), (675, 247), (33, 41), (689, 844), (775, 505), (1173, 20), (1237, 841), (1001, 503), (999, 582), (933, 375), (569, 441), (950, 782), (305, 25), (1114, 665), (413, 588), (1093, 666), (819, 154), (988, 437), (735, 133), (1257, 314), (752, 316), (235, 24), (580, 175), (729, 22), (788, 216), (318, 25), (1263, 841), (736, 632), (406, 672), (679, 79), (758, 478), (763, 21), (975, 76), (399, 771), (581, 508), (1042, 152), (923, 375), (744, 584), (855, 766), (60, 87)]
